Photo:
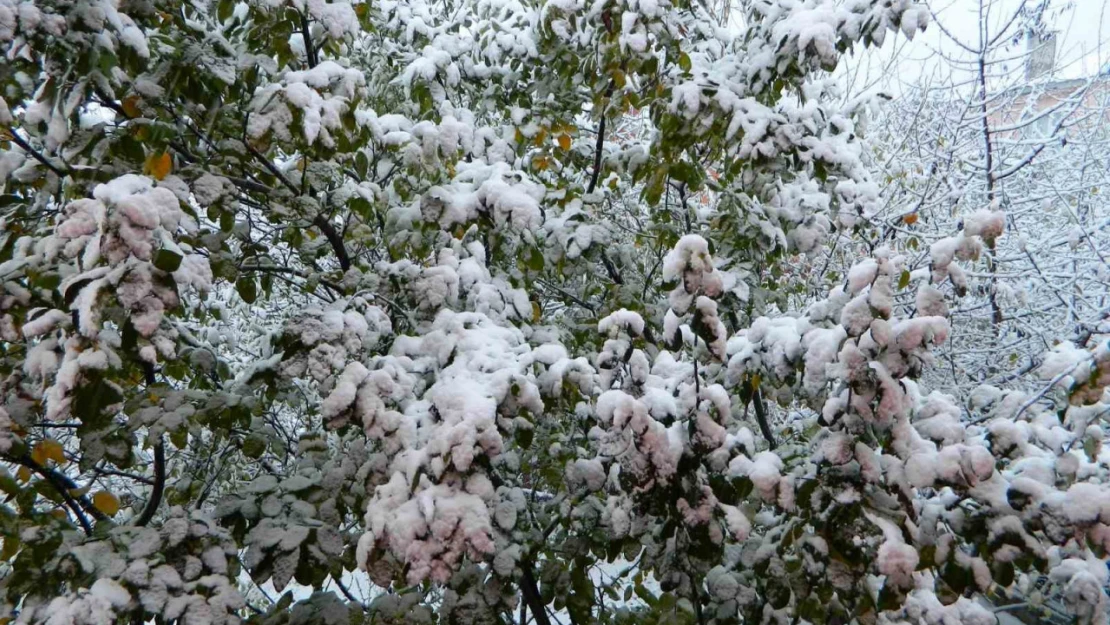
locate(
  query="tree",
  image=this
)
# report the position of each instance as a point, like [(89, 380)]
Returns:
[(297, 289), (984, 132)]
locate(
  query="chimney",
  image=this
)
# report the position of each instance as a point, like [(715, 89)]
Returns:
[(1041, 55)]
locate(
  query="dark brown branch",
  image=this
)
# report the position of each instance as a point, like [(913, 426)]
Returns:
[(63, 484), (159, 484), (130, 476), (290, 270), (270, 167), (105, 100), (73, 505), (320, 221), (35, 153), (531, 593), (346, 593), (309, 49), (761, 418), (250, 185), (992, 266), (611, 269), (570, 296), (597, 152), (335, 239)]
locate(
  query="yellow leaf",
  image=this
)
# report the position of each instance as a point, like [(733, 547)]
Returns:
[(48, 449), (540, 137), (536, 312), (106, 502), (24, 474), (131, 106), (158, 165), (564, 142), (11, 547)]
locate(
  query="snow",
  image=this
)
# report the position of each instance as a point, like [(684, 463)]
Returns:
[(1086, 503), (44, 323), (686, 98), (690, 254), (111, 592), (338, 18), (897, 561), (622, 319), (861, 275), (988, 224), (763, 470), (930, 302), (588, 473)]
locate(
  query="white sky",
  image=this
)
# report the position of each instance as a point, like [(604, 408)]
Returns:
[(1083, 44)]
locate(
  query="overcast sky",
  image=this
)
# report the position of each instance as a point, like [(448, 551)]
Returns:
[(1083, 44)]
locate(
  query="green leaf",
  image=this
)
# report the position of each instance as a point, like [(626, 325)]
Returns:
[(92, 398), (644, 594), (890, 597), (533, 258), (684, 62), (687, 172), (179, 438), (1003, 573), (247, 289), (904, 279), (254, 446), (167, 260), (524, 436)]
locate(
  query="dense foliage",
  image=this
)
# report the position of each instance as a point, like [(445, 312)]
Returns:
[(496, 311)]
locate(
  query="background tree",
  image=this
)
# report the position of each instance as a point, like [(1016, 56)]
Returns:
[(994, 128)]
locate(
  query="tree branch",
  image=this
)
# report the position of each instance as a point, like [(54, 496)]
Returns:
[(761, 418), (611, 269), (346, 593), (63, 484), (319, 221), (335, 239), (309, 49), (597, 153), (531, 593), (35, 153), (159, 484)]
